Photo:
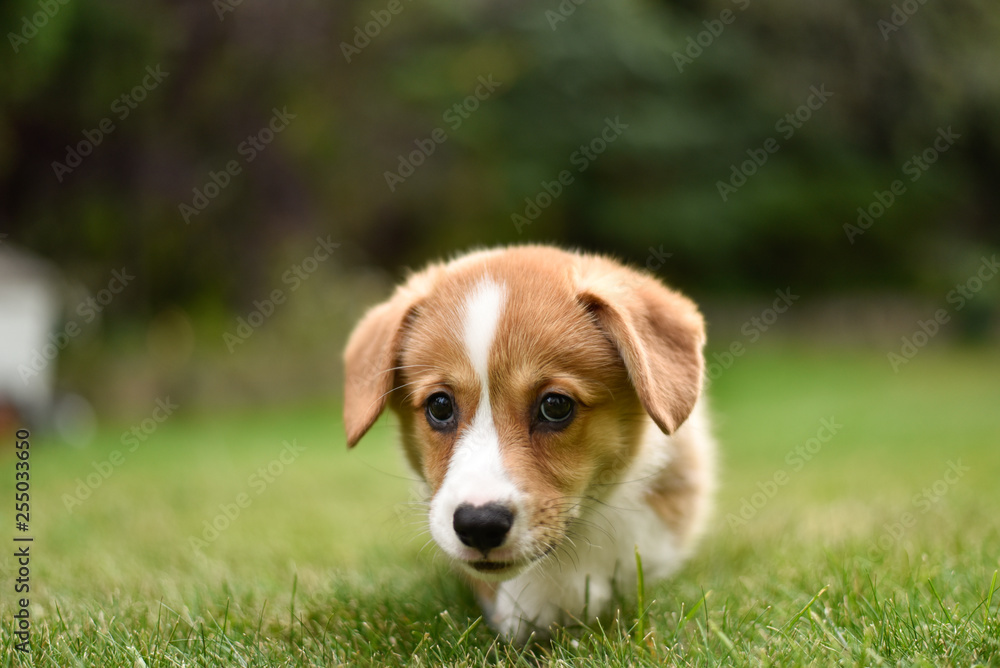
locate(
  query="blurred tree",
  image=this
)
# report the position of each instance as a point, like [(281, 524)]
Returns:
[(696, 89)]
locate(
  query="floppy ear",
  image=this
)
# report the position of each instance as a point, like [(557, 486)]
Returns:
[(369, 358), (659, 335)]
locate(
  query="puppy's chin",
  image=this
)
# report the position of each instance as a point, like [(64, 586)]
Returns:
[(489, 570)]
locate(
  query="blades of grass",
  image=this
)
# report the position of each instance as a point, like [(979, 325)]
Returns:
[(989, 594), (722, 636), (685, 619), (828, 628), (791, 622), (154, 641), (937, 597), (640, 595), (291, 612), (694, 610), (465, 634), (260, 622), (706, 643)]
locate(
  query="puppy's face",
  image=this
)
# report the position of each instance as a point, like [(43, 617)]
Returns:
[(522, 380), (513, 404)]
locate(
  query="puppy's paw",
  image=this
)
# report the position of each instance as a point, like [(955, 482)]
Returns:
[(519, 631)]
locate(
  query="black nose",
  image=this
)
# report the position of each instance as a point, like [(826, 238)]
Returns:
[(482, 527)]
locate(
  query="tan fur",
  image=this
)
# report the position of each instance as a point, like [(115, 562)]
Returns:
[(677, 494)]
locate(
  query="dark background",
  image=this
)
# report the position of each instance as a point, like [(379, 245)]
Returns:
[(355, 103)]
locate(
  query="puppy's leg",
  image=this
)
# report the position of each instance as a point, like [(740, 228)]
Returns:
[(486, 596), (533, 603)]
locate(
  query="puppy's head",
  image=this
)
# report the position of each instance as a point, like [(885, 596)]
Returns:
[(522, 379)]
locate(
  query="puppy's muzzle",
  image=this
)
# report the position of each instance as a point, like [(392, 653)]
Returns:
[(482, 527)]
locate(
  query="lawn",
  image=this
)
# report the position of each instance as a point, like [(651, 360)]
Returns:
[(857, 523)]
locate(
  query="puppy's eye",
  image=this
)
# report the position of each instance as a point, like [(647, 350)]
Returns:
[(440, 410), (555, 408)]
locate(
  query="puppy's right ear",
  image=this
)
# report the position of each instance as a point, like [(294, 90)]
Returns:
[(369, 360)]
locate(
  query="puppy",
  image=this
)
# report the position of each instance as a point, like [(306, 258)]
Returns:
[(550, 400)]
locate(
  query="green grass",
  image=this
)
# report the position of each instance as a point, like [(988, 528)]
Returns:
[(329, 564)]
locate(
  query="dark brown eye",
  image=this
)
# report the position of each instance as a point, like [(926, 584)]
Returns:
[(555, 408), (440, 410)]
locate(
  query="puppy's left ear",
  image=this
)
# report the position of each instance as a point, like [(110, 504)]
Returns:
[(658, 333), (369, 361)]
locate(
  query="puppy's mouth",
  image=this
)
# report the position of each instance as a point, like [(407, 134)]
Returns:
[(487, 566), (492, 568)]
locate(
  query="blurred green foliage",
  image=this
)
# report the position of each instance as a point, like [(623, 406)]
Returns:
[(360, 102)]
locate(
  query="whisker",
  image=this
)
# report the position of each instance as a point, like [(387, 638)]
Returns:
[(406, 366), (398, 387)]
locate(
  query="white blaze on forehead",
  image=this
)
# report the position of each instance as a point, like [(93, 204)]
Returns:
[(482, 313)]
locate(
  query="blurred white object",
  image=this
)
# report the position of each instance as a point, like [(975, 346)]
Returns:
[(29, 311)]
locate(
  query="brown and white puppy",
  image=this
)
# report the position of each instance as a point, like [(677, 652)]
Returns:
[(550, 400)]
